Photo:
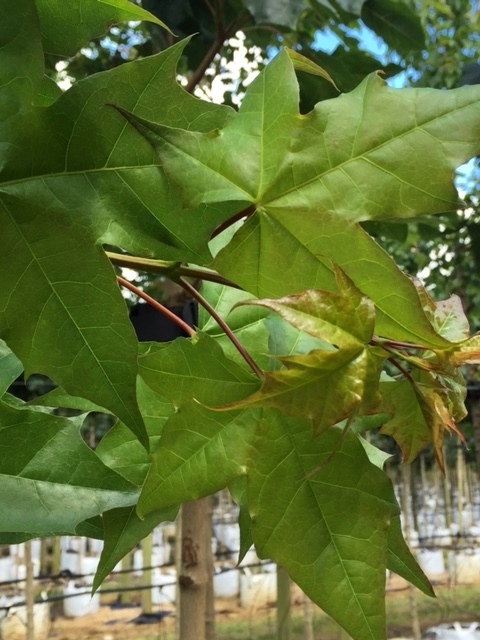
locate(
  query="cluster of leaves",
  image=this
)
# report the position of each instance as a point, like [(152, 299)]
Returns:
[(326, 336), (267, 24), (453, 30)]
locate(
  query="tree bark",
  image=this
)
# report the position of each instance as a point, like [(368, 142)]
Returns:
[(29, 598), (284, 620), (147, 575), (406, 489), (307, 618), (475, 418), (56, 552), (194, 569)]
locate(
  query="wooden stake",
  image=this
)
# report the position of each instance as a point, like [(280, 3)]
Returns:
[(29, 597)]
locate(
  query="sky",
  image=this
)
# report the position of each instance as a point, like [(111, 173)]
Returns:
[(327, 41)]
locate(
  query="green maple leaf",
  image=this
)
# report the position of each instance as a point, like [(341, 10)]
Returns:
[(329, 529), (121, 451), (196, 438), (10, 367), (193, 369), (51, 480), (67, 27), (123, 530), (311, 179), (71, 181), (401, 560)]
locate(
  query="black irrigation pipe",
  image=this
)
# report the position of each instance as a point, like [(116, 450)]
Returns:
[(115, 589), (66, 574)]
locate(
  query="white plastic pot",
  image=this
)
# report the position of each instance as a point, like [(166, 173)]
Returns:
[(79, 602), (455, 631)]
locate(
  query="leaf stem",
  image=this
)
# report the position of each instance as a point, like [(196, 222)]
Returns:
[(157, 305), (221, 322), (167, 268), (402, 370), (244, 213), (395, 344)]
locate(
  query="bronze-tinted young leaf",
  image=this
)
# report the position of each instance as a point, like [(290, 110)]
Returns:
[(467, 353), (420, 417), (345, 319), (325, 386), (447, 316), (408, 426), (448, 383)]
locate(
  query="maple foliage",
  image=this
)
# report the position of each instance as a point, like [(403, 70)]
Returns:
[(308, 335)]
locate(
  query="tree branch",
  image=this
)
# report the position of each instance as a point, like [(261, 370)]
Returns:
[(223, 33), (171, 270)]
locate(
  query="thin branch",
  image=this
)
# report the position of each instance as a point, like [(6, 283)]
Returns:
[(211, 9), (156, 305), (223, 33), (205, 63), (166, 268), (221, 322)]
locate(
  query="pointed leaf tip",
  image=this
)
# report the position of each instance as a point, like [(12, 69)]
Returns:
[(302, 63)]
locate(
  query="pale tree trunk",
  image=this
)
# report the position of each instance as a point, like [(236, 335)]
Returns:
[(43, 569), (124, 597), (56, 555), (307, 618), (475, 415), (406, 488), (147, 575), (195, 615), (29, 598), (284, 621), (475, 418)]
